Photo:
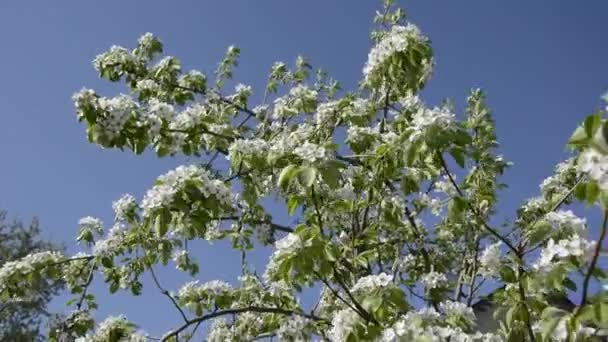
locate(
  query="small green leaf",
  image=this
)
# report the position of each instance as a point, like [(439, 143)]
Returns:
[(307, 176), (579, 136), (592, 191), (507, 274), (458, 155), (107, 262), (287, 175), (292, 204), (592, 122)]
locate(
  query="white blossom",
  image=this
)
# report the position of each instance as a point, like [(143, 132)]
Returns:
[(311, 152), (113, 243), (595, 164), (372, 282), (490, 259), (117, 111), (91, 223), (342, 324), (434, 280), (169, 184), (124, 206), (574, 246), (397, 40)]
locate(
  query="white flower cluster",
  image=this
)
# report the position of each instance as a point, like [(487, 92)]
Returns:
[(326, 111), (191, 293), (560, 333), (248, 148), (312, 152), (113, 243), (115, 326), (124, 207), (397, 40), (293, 329), (429, 325), (372, 282), (433, 203), (356, 134), (563, 220), (434, 280), (300, 99), (288, 245), (117, 55), (147, 85), (169, 184), (575, 246), (554, 185), (426, 118), (84, 98), (595, 164), (219, 331), (242, 90), (458, 309), (490, 260), (91, 223), (117, 110), (30, 263), (343, 323)]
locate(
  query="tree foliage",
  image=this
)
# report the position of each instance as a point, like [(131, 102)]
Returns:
[(24, 319), (394, 201)]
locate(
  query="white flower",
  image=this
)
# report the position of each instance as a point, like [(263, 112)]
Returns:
[(397, 40), (110, 326), (124, 206), (117, 111), (289, 243), (91, 223), (490, 259), (242, 90), (169, 184), (293, 329), (147, 84), (311, 152), (424, 119), (575, 246), (451, 308), (248, 148), (372, 282), (594, 164), (113, 243), (30, 263), (342, 324), (566, 219), (434, 280)]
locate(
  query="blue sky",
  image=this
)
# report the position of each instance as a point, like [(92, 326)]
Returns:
[(542, 64)]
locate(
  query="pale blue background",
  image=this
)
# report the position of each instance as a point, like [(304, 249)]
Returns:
[(542, 63)]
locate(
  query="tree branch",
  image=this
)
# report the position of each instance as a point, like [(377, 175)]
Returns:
[(238, 311)]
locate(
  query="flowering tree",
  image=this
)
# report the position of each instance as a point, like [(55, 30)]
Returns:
[(394, 200)]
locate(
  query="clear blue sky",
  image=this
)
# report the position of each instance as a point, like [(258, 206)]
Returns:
[(542, 63)]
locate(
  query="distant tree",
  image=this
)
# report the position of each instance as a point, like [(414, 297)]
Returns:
[(23, 320)]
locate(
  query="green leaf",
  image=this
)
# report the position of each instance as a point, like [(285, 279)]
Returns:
[(107, 262), (592, 122), (307, 176), (592, 191), (161, 223), (292, 204), (286, 176), (331, 176), (579, 136), (507, 274), (458, 155)]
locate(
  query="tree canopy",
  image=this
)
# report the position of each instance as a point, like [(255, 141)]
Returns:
[(394, 201)]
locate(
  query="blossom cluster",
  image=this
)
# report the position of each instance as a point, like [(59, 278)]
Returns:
[(170, 184)]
